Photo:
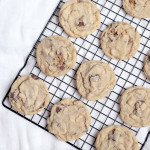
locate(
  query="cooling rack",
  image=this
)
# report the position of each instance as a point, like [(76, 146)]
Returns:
[(129, 73)]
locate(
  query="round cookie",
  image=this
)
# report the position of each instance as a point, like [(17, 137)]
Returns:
[(135, 106), (120, 41), (137, 8), (69, 119), (79, 18), (56, 55), (147, 66), (95, 79), (29, 95), (116, 138)]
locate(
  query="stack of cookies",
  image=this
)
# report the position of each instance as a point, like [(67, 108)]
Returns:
[(56, 56)]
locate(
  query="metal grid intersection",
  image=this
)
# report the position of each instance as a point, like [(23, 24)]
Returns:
[(129, 73)]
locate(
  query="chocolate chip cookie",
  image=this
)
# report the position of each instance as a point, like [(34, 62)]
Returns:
[(95, 79), (29, 95), (69, 119), (120, 41), (135, 106), (137, 8), (116, 138), (56, 55), (79, 18), (147, 66)]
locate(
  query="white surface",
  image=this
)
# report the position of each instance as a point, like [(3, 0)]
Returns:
[(21, 23)]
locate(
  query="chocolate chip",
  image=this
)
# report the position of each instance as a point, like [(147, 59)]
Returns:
[(149, 58), (110, 39), (113, 131), (58, 109), (79, 1), (132, 2), (116, 25), (81, 24), (130, 41), (111, 136), (62, 67), (34, 77), (115, 34), (137, 109), (42, 105), (11, 95)]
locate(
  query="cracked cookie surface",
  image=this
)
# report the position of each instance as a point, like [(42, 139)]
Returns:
[(137, 8), (69, 119), (29, 95), (56, 56), (116, 138), (147, 66), (120, 41), (135, 106), (95, 79), (79, 18)]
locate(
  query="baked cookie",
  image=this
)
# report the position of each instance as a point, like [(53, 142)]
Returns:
[(120, 40), (29, 95), (116, 138), (147, 66), (69, 119), (135, 106), (56, 55), (95, 79), (79, 18), (137, 8)]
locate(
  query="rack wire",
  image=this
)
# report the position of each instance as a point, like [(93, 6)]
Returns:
[(104, 112)]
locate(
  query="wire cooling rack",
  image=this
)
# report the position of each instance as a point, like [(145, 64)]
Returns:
[(129, 73)]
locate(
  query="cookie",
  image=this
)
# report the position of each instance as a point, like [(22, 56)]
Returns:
[(116, 138), (95, 79), (56, 55), (137, 8), (29, 95), (135, 106), (120, 41), (147, 66), (69, 119), (79, 18)]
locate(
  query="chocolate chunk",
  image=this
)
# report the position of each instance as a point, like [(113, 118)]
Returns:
[(79, 1), (58, 109), (34, 77), (62, 67)]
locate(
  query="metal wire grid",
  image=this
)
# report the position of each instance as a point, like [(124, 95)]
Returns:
[(129, 73)]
